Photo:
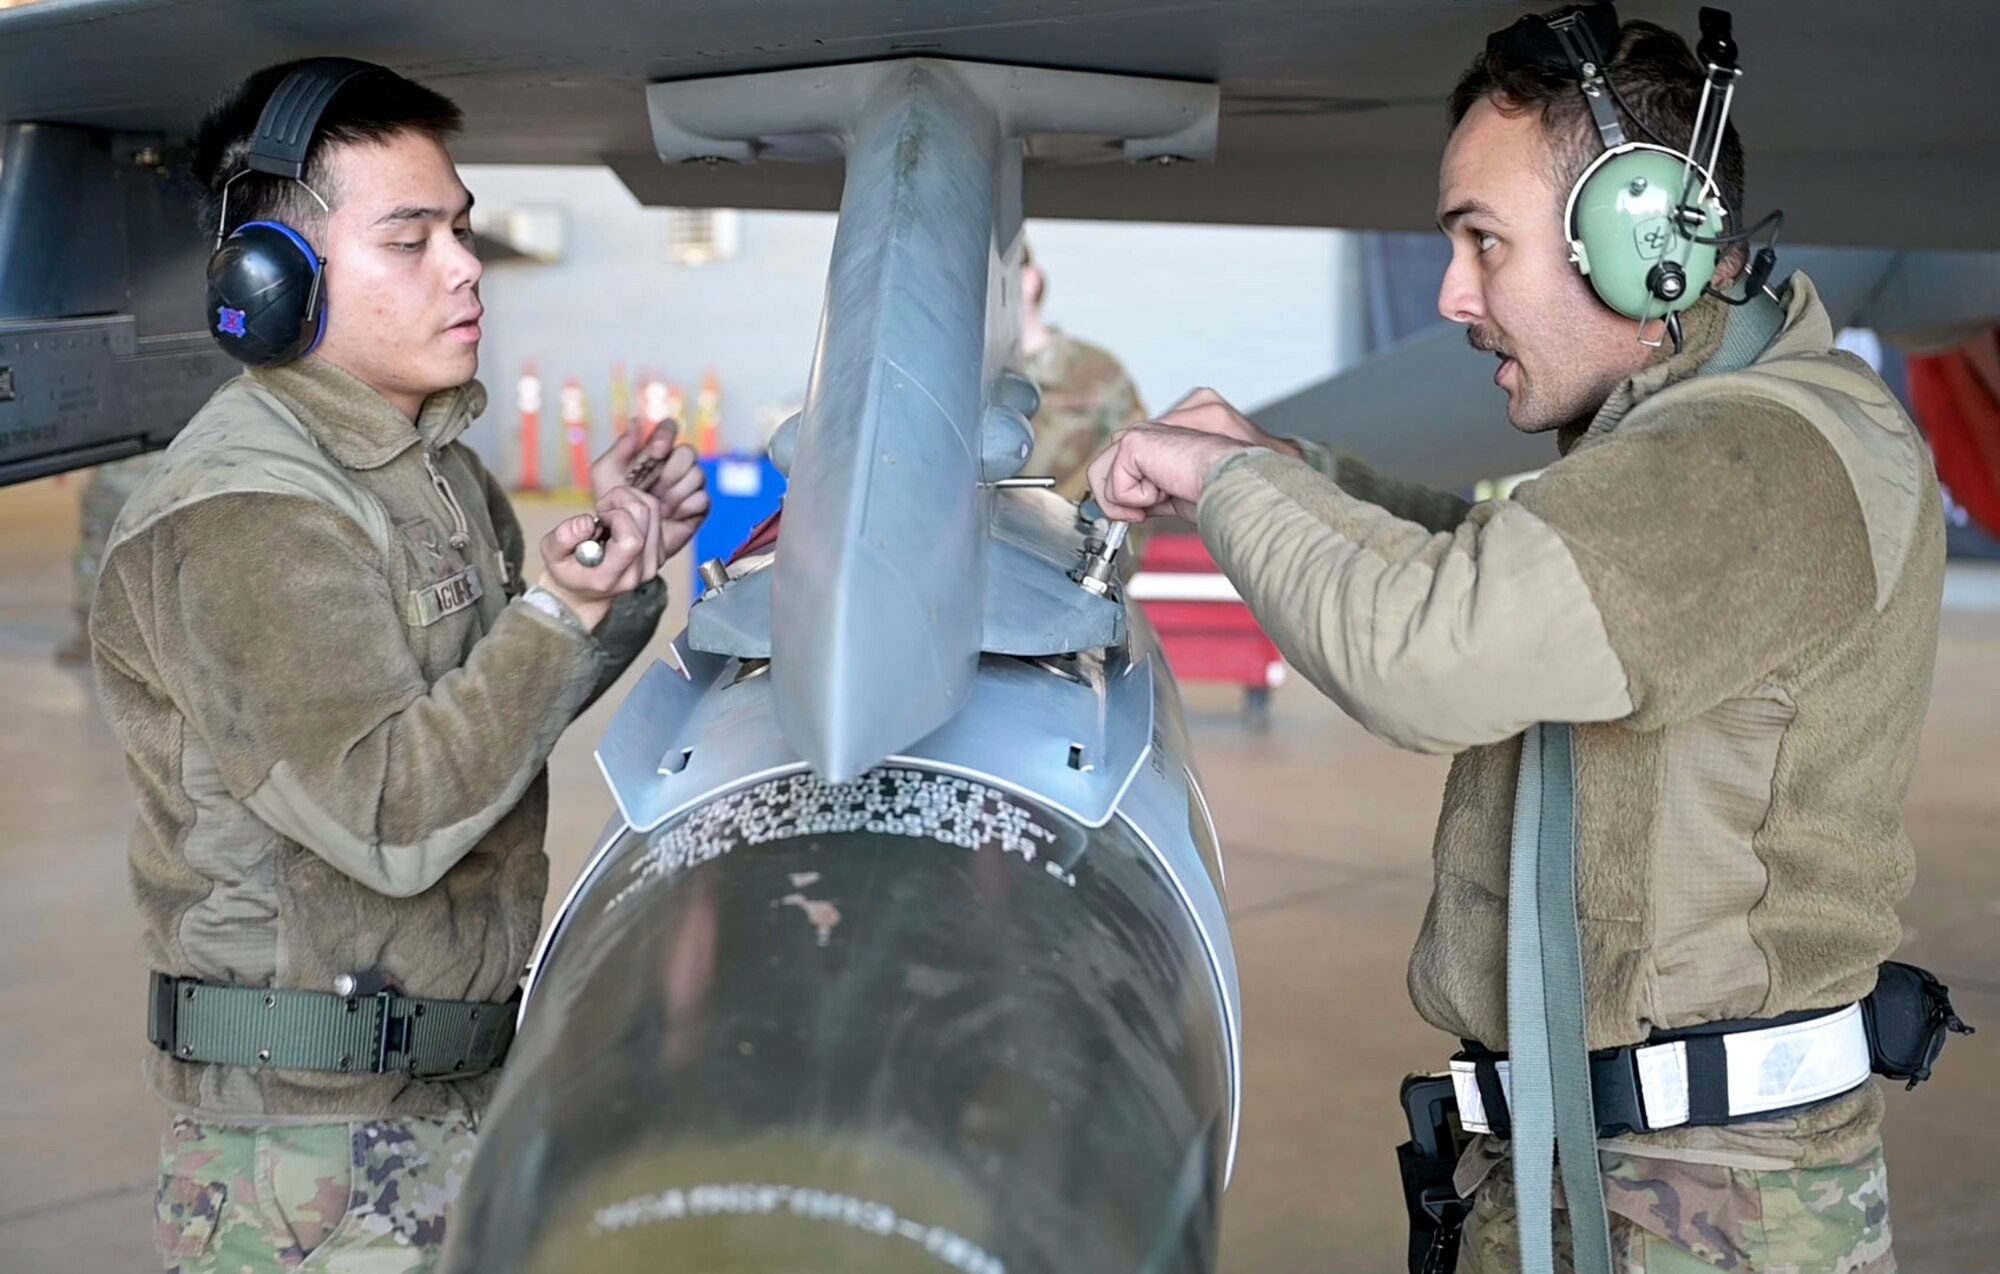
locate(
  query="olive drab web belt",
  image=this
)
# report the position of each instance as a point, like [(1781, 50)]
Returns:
[(369, 1034), (1699, 1079)]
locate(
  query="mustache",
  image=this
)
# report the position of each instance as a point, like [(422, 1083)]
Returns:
[(1486, 341)]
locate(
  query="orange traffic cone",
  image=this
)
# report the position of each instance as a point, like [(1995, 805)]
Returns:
[(677, 406), (576, 430), (528, 395), (621, 400), (652, 406), (708, 414)]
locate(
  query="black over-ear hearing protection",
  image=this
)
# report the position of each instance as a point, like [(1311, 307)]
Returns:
[(265, 301)]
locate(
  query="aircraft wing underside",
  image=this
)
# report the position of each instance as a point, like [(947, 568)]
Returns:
[(1871, 126)]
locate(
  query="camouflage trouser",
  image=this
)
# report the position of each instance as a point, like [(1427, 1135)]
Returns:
[(1680, 1218), (354, 1198)]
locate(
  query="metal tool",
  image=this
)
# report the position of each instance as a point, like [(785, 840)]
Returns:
[(1101, 558), (590, 553)]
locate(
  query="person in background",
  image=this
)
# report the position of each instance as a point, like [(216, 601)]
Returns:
[(104, 494), (1086, 393)]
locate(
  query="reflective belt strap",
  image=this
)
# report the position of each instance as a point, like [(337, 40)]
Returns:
[(1759, 1070), (198, 1021)]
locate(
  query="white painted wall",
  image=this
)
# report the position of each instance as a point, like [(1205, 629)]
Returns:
[(1254, 312), (1248, 311)]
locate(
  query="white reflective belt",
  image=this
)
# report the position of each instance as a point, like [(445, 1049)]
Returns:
[(1472, 1102), (1771, 1068), (1178, 586), (1783, 1066)]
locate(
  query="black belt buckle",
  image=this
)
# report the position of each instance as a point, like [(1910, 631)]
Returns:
[(393, 1034), (1616, 1093), (161, 1010)]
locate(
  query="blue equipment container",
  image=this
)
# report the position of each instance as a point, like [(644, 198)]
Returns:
[(743, 490)]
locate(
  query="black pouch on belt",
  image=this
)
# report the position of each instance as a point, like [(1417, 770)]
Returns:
[(1908, 1015), (1427, 1161)]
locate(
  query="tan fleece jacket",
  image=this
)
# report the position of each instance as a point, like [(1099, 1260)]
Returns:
[(1731, 585), (336, 716)]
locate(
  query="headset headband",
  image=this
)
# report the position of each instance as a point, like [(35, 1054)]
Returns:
[(1532, 39), (285, 128), (1587, 60)]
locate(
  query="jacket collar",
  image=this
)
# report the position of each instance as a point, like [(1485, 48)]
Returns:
[(1701, 332), (358, 427), (1807, 329)]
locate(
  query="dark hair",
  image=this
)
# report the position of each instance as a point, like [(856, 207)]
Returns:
[(370, 108), (1657, 80)]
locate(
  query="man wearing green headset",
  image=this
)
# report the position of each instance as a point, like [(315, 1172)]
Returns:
[(1724, 592)]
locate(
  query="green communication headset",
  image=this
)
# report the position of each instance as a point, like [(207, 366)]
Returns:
[(1624, 224), (1646, 221)]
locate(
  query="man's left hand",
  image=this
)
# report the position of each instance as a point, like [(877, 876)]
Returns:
[(1157, 471), (679, 489)]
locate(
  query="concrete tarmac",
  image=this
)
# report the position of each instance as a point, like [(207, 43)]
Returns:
[(1326, 833)]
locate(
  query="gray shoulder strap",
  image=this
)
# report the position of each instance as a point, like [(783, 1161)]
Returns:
[(1750, 329), (1554, 1116)]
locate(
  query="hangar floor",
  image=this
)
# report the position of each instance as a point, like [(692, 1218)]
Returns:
[(1326, 833)]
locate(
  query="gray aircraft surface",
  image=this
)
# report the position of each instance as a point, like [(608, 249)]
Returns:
[(905, 948)]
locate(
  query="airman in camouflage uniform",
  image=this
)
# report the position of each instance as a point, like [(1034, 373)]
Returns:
[(1086, 397), (1693, 1218), (1086, 394), (365, 1197), (110, 485), (321, 591)]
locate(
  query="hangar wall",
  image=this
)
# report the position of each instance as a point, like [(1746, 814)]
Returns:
[(1256, 312)]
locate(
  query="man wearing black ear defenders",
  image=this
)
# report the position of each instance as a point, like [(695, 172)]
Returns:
[(1682, 675), (338, 691)]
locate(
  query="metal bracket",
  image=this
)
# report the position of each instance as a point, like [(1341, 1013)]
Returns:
[(392, 1032), (1074, 741), (877, 606), (807, 114), (1031, 605), (659, 719)]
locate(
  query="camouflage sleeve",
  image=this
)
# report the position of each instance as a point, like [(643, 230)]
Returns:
[(1135, 406), (1116, 407)]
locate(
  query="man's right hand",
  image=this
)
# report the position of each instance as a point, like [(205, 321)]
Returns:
[(631, 556), (1155, 470), (1209, 412)]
